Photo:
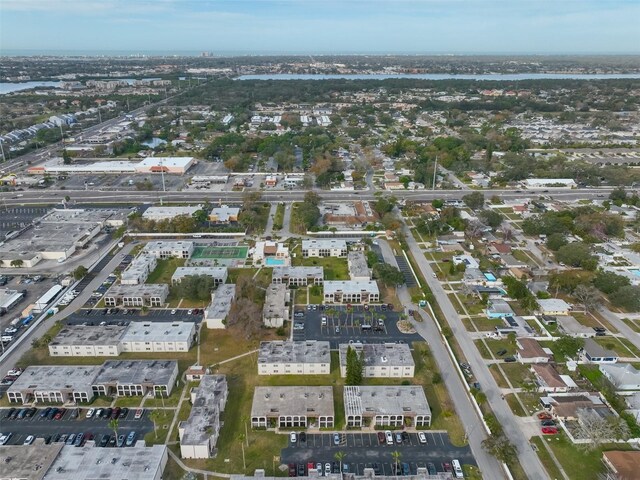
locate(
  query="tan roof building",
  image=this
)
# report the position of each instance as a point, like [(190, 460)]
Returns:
[(623, 465), (530, 351), (548, 378)]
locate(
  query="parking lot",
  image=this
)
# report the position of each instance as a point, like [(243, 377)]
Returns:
[(44, 427), (365, 450), (342, 325), (96, 316)]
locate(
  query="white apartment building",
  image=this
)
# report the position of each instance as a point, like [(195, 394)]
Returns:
[(161, 249), (275, 310), (141, 295), (324, 248), (351, 291), (215, 315), (139, 269), (358, 268), (158, 337), (308, 357), (381, 406), (298, 276), (88, 341), (381, 360), (219, 274)]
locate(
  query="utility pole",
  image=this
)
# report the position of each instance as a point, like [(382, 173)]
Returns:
[(4, 159), (435, 171), (162, 173), (99, 115)]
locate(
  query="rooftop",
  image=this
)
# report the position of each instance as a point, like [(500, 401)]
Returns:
[(215, 272), (549, 375), (27, 462), (572, 326), (594, 349), (170, 212), (297, 272), (358, 264), (302, 400), (350, 286), (324, 243), (221, 300), (159, 332), (89, 335), (167, 245), (624, 464), (169, 162), (139, 290), (91, 463), (530, 348), (379, 354), (56, 378), (224, 213), (208, 400), (385, 400), (136, 372), (309, 351), (275, 301), (553, 305)]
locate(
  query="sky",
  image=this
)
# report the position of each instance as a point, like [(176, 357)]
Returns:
[(321, 26)]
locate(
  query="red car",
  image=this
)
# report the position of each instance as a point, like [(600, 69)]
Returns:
[(446, 466), (544, 416), (381, 439), (549, 430), (60, 413)]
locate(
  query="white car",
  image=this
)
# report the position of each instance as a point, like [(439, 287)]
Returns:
[(174, 311), (29, 440), (422, 438), (189, 312), (90, 413), (293, 438)]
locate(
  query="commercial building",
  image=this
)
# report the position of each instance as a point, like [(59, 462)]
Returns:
[(218, 274), (324, 248), (350, 291), (287, 407), (199, 433), (358, 268), (168, 165), (550, 182), (139, 269), (164, 250), (90, 463), (347, 214), (8, 298), (224, 214), (167, 213), (88, 341), (28, 462), (310, 357), (276, 310), (135, 377), (141, 295), (393, 406), (622, 376), (215, 315), (158, 337), (390, 360), (298, 276), (54, 384)]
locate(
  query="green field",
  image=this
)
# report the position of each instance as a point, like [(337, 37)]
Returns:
[(210, 252)]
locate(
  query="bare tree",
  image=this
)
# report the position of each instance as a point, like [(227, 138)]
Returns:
[(588, 296), (599, 429), (474, 229)]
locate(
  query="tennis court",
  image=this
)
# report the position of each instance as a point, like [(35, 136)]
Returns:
[(211, 252)]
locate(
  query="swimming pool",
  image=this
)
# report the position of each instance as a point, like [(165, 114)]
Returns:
[(489, 276), (636, 272), (272, 262)]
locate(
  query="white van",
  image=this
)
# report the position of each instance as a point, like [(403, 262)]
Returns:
[(457, 469)]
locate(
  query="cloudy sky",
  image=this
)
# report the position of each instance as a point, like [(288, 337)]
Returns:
[(322, 26)]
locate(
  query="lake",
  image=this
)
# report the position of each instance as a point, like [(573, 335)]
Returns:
[(443, 76)]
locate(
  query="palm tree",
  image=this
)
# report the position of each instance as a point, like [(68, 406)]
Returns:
[(113, 425), (155, 417), (241, 438), (396, 455), (339, 456)]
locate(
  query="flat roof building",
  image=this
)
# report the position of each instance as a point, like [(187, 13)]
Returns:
[(391, 360), (275, 310), (90, 463), (8, 298), (215, 315), (324, 248), (553, 306), (167, 213), (139, 269), (177, 249), (170, 165), (224, 214), (218, 274), (141, 295), (308, 357), (351, 291), (158, 337), (570, 326), (88, 341), (136, 377), (298, 276), (286, 407), (386, 406), (54, 384), (28, 462), (358, 268), (199, 433)]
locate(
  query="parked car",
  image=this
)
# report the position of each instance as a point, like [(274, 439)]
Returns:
[(104, 441), (509, 359), (544, 416), (59, 414), (405, 469), (79, 439), (292, 470), (336, 439), (405, 437), (121, 440), (446, 466), (501, 352), (45, 412), (422, 438), (398, 437), (10, 413), (327, 469), (389, 437), (139, 414), (4, 438), (29, 440), (90, 413), (293, 438), (381, 439), (131, 438), (548, 423), (549, 430), (70, 439), (431, 468), (98, 413), (123, 413), (301, 470)]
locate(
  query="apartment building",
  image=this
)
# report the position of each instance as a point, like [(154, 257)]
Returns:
[(276, 310), (324, 248), (162, 249), (215, 315), (358, 269), (381, 360), (295, 406), (139, 269), (135, 377), (351, 291), (380, 406), (298, 276), (158, 337), (88, 341), (218, 274), (141, 295), (308, 357)]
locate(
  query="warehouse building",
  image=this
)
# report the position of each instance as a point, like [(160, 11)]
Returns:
[(199, 433), (215, 315), (358, 268), (324, 248), (88, 341), (219, 274), (381, 406), (168, 165), (351, 291), (309, 357), (275, 310), (54, 384), (9, 298), (136, 377), (141, 295), (298, 276), (167, 213), (288, 407), (390, 360)]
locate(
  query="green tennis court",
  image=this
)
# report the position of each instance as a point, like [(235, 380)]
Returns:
[(220, 252)]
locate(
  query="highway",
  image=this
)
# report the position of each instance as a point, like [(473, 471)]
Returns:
[(50, 196), (528, 459)]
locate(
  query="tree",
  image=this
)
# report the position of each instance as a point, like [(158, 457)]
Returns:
[(355, 367), (587, 295), (113, 425), (396, 455), (567, 281), (627, 297), (599, 429), (492, 218), (241, 437), (388, 274), (619, 194), (66, 158), (17, 263), (577, 254), (339, 456), (609, 282), (567, 346), (555, 241), (155, 417), (500, 447), (80, 272), (474, 200)]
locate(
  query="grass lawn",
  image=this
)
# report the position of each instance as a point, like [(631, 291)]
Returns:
[(515, 405), (164, 270), (545, 458), (300, 295), (482, 348), (632, 324), (508, 344), (218, 345), (130, 402), (334, 268), (621, 346), (523, 257), (315, 295), (516, 372), (500, 380), (278, 218), (163, 422), (485, 324)]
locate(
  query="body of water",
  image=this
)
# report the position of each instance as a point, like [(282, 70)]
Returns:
[(444, 76), (9, 87), (154, 142)]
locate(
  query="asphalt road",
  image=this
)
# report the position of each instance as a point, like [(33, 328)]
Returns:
[(363, 449), (40, 427), (528, 458), (95, 316)]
